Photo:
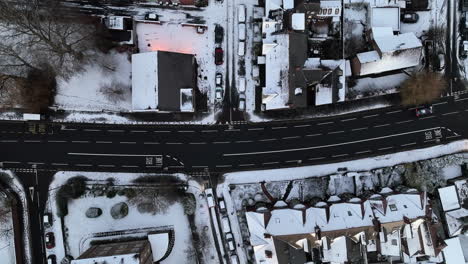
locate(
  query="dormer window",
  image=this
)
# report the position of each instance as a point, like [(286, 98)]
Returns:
[(393, 207)]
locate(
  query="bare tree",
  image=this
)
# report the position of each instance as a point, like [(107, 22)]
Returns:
[(422, 87), (33, 36), (6, 229)]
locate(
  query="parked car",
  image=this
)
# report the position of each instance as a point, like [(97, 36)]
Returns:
[(225, 224), (241, 102), (234, 259), (230, 242), (219, 54), (241, 13), (219, 93), (152, 16), (424, 110), (241, 86), (209, 197), (50, 240), (51, 259), (47, 219), (219, 79), (219, 34), (241, 32), (441, 62), (241, 48), (222, 206), (409, 17)]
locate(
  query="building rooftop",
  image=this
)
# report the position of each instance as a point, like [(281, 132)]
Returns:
[(449, 198)]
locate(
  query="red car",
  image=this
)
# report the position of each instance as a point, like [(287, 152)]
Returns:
[(219, 54), (50, 240)]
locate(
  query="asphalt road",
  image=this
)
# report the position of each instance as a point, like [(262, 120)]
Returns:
[(40, 148), (220, 148)]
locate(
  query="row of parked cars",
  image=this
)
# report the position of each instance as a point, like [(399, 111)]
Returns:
[(49, 237), (225, 224)]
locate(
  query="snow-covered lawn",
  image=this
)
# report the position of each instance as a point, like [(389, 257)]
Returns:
[(7, 243), (103, 85)]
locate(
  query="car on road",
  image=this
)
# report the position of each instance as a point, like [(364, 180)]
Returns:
[(219, 34), (424, 110), (222, 205), (219, 56), (230, 242), (242, 32), (226, 225), (241, 102), (219, 93), (241, 85), (47, 219), (441, 62), (234, 259), (152, 16), (51, 259), (50, 240), (219, 79), (409, 17), (241, 13), (209, 197)]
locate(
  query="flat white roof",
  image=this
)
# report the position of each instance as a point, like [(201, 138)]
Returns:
[(368, 56), (453, 252), (449, 198), (145, 81), (386, 17), (323, 95), (397, 42), (298, 21), (288, 4)]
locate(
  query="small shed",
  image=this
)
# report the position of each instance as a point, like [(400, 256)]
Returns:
[(386, 17), (449, 198)]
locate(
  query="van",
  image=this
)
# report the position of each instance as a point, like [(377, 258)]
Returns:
[(241, 32), (241, 14), (241, 87), (222, 206), (241, 48), (209, 197), (225, 224)]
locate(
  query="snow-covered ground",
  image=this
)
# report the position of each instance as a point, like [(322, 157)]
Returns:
[(103, 85), (80, 229), (7, 243), (369, 86)]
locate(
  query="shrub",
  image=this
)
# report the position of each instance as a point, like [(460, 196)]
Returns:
[(189, 203), (111, 193), (129, 193), (119, 210), (72, 189)]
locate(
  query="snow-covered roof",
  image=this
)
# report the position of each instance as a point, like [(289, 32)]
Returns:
[(453, 221), (391, 246), (186, 100), (456, 251), (286, 222), (449, 198), (323, 95), (368, 56), (397, 207), (159, 245), (272, 5), (288, 4), (389, 44), (338, 251), (386, 17), (276, 51), (298, 21), (378, 32), (117, 259), (145, 81)]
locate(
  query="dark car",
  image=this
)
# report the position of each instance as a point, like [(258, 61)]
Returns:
[(50, 240), (219, 34), (424, 110), (409, 17), (219, 54), (51, 259)]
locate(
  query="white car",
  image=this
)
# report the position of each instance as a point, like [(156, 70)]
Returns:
[(241, 86), (225, 224), (209, 197), (219, 79), (230, 242), (241, 13), (241, 102), (219, 93)]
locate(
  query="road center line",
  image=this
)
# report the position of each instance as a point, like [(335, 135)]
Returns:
[(268, 139), (109, 154), (197, 143), (441, 103), (116, 130), (427, 117), (406, 121), (221, 142), (319, 158), (186, 131), (256, 129), (393, 112), (328, 146), (336, 132), (92, 130), (151, 143), (56, 141), (104, 142), (302, 126), (349, 119), (451, 113), (369, 116), (339, 155), (244, 141), (325, 123), (79, 141), (385, 148), (127, 142), (209, 131), (461, 99), (313, 135), (293, 137), (384, 125), (409, 144), (161, 131), (364, 151), (361, 128), (281, 127)]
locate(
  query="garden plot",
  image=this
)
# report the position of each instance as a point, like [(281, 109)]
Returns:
[(103, 85)]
